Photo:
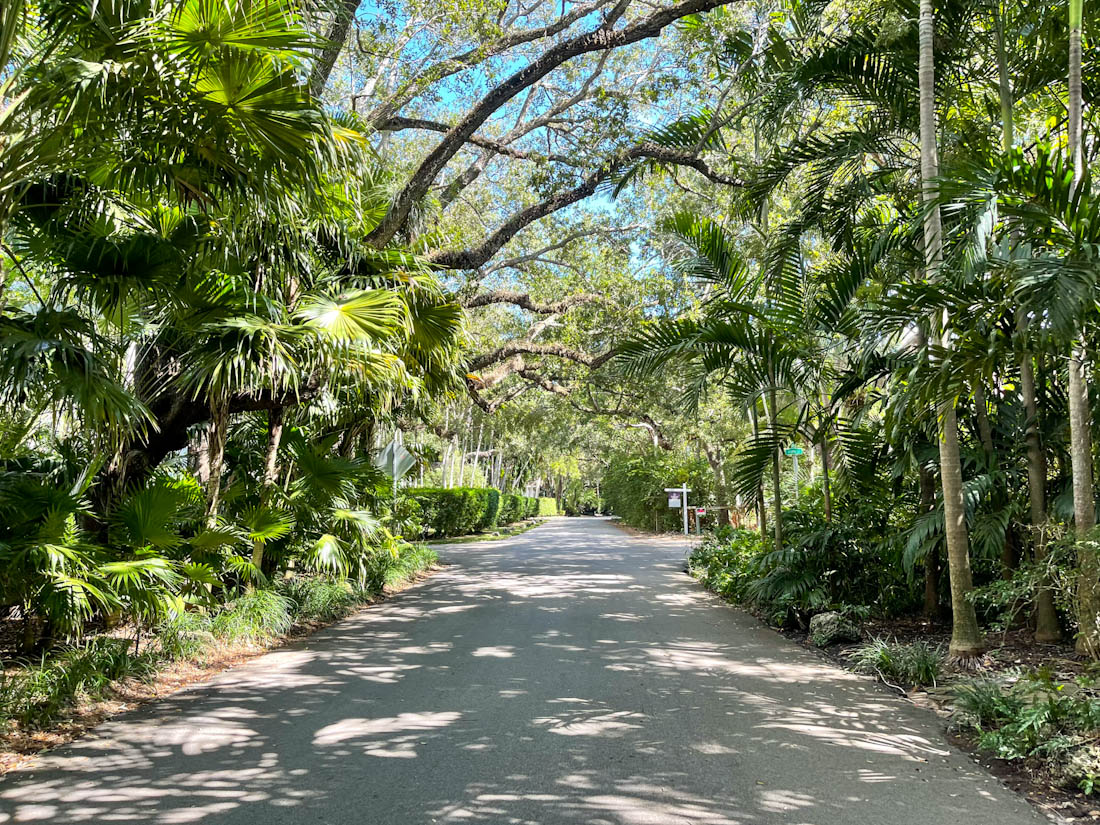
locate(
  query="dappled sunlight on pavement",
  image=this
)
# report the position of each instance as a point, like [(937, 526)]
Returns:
[(572, 674)]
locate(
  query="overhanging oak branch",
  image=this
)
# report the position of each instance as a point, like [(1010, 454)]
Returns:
[(600, 39), (476, 256)]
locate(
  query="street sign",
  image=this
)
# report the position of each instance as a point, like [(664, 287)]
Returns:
[(793, 451)]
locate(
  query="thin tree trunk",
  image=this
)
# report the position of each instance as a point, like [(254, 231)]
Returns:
[(985, 431), (219, 421), (271, 472), (826, 487), (965, 637), (761, 511), (1047, 628), (777, 495), (477, 451), (927, 483), (1080, 420)]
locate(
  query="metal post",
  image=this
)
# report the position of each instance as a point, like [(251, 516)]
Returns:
[(685, 506)]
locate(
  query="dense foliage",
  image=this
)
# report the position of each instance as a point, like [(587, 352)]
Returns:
[(457, 511)]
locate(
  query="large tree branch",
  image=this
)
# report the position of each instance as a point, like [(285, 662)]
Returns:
[(400, 124), (600, 39), (522, 299), (476, 256), (503, 353), (449, 66), (335, 37)]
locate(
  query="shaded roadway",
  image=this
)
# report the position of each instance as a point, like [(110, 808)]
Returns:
[(572, 674)]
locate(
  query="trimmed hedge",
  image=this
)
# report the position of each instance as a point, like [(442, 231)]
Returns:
[(458, 511), (547, 507)]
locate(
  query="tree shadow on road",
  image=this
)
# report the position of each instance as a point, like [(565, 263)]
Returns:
[(571, 674)]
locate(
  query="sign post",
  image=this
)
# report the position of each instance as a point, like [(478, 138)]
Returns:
[(794, 452), (680, 497)]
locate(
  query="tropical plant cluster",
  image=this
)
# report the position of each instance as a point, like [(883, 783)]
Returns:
[(1035, 719), (199, 354), (38, 693), (902, 288)]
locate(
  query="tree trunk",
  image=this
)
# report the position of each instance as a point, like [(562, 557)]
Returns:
[(826, 487), (985, 431), (1084, 507), (777, 495), (1047, 629), (965, 638), (271, 472), (219, 422), (1080, 420), (761, 511), (927, 483)]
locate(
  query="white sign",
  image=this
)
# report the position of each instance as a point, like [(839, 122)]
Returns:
[(700, 511), (673, 501)]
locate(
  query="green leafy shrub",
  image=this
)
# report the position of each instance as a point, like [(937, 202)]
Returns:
[(725, 562), (256, 615), (1032, 718), (633, 486), (547, 506), (491, 518), (412, 560), (511, 509), (454, 511), (915, 663), (320, 598)]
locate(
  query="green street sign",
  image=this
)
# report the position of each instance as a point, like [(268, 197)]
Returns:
[(793, 451)]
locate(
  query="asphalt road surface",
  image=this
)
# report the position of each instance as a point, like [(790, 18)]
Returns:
[(572, 674)]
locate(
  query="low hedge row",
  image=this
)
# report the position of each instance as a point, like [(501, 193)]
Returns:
[(457, 511)]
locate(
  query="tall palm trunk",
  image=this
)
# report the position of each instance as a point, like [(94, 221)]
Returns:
[(965, 638), (1047, 629), (1080, 419)]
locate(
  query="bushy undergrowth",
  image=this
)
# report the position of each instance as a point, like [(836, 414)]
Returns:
[(1033, 717), (321, 599), (823, 565), (914, 663), (36, 693), (1037, 719)]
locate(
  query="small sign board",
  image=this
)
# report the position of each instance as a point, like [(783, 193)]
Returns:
[(793, 451), (700, 511), (673, 501)]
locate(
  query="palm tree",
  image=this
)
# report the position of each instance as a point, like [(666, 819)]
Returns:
[(1080, 417), (966, 640)]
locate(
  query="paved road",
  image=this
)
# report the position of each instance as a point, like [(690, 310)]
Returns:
[(569, 675)]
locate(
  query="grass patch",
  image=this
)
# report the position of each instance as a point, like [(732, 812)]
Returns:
[(319, 599), (916, 663), (37, 694)]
